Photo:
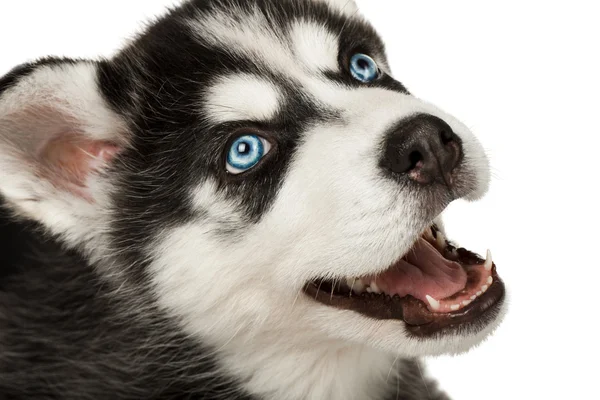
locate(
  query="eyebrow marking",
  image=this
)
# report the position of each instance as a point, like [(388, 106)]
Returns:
[(242, 97), (315, 46)]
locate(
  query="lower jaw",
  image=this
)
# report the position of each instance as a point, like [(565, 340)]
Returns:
[(419, 320)]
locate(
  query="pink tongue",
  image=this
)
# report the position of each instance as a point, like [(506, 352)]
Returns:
[(423, 271)]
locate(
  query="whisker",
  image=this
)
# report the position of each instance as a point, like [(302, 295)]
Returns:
[(424, 380), (319, 288), (392, 367)]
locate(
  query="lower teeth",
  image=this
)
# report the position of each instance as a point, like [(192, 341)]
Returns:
[(358, 287)]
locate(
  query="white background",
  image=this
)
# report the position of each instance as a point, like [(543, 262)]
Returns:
[(525, 76)]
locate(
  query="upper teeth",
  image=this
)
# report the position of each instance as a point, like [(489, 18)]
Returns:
[(375, 288), (355, 285)]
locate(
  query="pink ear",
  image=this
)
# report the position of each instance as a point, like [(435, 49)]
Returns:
[(69, 160), (58, 138)]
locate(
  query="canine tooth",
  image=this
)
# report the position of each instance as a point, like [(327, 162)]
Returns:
[(488, 261), (375, 288), (435, 305), (484, 288), (369, 290), (490, 280), (455, 307), (467, 302)]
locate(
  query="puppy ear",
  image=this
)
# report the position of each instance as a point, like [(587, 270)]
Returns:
[(57, 135), (347, 7)]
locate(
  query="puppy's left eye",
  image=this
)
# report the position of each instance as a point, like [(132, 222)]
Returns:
[(364, 68), (245, 152)]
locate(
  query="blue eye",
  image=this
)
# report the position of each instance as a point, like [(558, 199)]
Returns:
[(363, 68), (245, 153)]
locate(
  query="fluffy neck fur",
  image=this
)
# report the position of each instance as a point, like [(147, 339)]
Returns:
[(276, 369)]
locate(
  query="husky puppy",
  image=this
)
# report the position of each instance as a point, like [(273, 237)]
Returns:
[(241, 204)]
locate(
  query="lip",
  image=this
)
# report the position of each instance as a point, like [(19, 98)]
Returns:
[(418, 319)]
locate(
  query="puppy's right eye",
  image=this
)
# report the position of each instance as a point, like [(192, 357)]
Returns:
[(246, 152)]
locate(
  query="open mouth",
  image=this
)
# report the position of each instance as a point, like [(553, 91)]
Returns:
[(434, 288)]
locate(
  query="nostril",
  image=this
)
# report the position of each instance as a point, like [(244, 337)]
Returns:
[(446, 137), (414, 158)]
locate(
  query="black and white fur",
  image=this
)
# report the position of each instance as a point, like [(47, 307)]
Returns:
[(163, 277)]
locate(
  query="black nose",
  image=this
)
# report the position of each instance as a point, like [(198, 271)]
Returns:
[(423, 148)]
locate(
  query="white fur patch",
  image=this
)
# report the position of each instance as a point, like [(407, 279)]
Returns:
[(315, 46), (248, 34), (242, 97)]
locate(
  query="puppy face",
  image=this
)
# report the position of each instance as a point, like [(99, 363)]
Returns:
[(239, 158)]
